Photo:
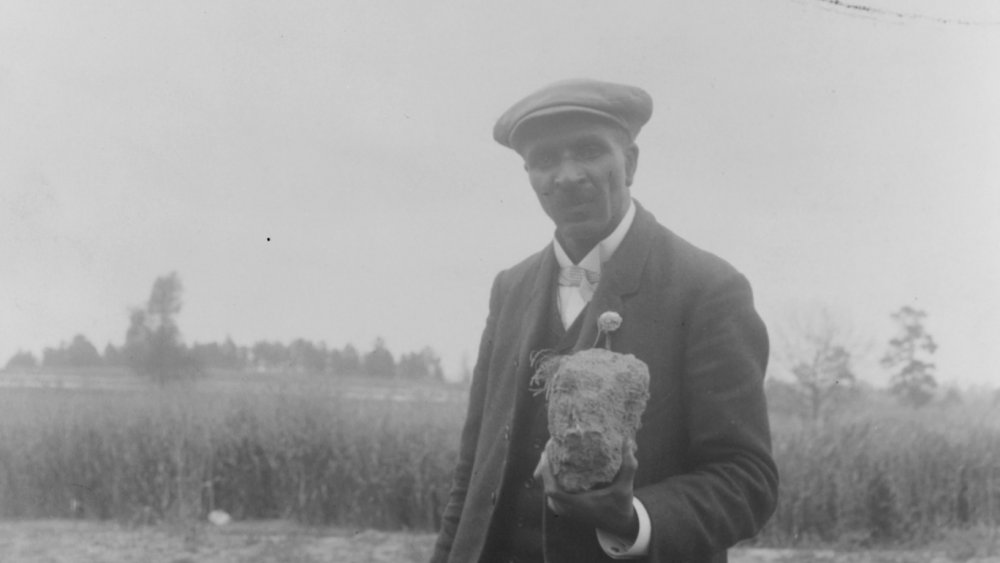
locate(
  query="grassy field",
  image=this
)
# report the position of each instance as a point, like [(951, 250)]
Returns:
[(307, 450), (62, 541), (882, 475), (357, 454)]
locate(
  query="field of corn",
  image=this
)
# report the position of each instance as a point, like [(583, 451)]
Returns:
[(317, 453)]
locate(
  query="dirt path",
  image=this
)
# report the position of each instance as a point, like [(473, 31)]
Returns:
[(50, 541)]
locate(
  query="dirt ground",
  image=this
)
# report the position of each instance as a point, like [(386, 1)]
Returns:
[(60, 541)]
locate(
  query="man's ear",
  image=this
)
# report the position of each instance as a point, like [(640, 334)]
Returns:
[(631, 162)]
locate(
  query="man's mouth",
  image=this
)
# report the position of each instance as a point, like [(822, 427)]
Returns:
[(572, 202), (576, 206)]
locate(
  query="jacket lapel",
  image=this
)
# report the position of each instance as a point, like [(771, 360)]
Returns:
[(620, 276), (535, 319)]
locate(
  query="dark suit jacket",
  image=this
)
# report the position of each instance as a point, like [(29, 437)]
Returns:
[(705, 472)]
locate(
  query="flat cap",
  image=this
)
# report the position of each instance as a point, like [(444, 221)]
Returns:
[(628, 106)]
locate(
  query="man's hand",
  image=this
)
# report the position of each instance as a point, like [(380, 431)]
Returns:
[(609, 508)]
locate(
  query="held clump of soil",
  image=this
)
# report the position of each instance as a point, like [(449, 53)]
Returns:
[(595, 402)]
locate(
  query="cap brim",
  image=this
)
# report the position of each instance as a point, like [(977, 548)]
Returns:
[(556, 110)]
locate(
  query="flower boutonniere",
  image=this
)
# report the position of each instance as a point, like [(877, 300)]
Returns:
[(608, 322)]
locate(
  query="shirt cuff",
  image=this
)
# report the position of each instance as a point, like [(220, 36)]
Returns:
[(618, 548)]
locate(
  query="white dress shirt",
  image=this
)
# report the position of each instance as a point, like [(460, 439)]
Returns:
[(571, 304)]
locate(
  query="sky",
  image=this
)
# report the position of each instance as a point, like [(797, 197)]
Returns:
[(326, 170)]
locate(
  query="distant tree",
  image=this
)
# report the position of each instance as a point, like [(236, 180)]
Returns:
[(113, 356), (306, 356), (227, 356), (908, 355), (352, 359), (818, 355), (346, 361), (952, 397), (54, 357), (21, 361), (81, 353), (420, 365), (411, 366), (207, 355), (823, 376), (232, 356), (153, 341), (137, 340), (379, 362), (334, 362), (270, 356), (433, 363), (78, 353), (784, 397)]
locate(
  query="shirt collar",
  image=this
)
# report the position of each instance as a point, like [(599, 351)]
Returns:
[(604, 249)]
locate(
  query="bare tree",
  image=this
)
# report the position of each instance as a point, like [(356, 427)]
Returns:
[(818, 351)]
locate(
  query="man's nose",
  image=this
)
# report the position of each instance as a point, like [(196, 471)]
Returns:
[(568, 173)]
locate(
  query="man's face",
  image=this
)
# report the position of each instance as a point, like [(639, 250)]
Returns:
[(581, 168)]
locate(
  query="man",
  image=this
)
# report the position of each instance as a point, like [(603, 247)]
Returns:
[(701, 476)]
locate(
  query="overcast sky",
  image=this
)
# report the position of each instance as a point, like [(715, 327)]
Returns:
[(326, 169)]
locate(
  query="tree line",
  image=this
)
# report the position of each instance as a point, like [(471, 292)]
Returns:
[(819, 355), (153, 347)]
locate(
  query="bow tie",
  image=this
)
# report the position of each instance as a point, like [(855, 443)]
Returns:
[(575, 276)]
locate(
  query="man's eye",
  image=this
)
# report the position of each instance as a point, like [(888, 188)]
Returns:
[(542, 161), (589, 150)]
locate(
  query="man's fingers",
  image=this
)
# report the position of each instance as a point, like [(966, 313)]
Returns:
[(629, 462), (543, 464), (543, 472), (558, 501)]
